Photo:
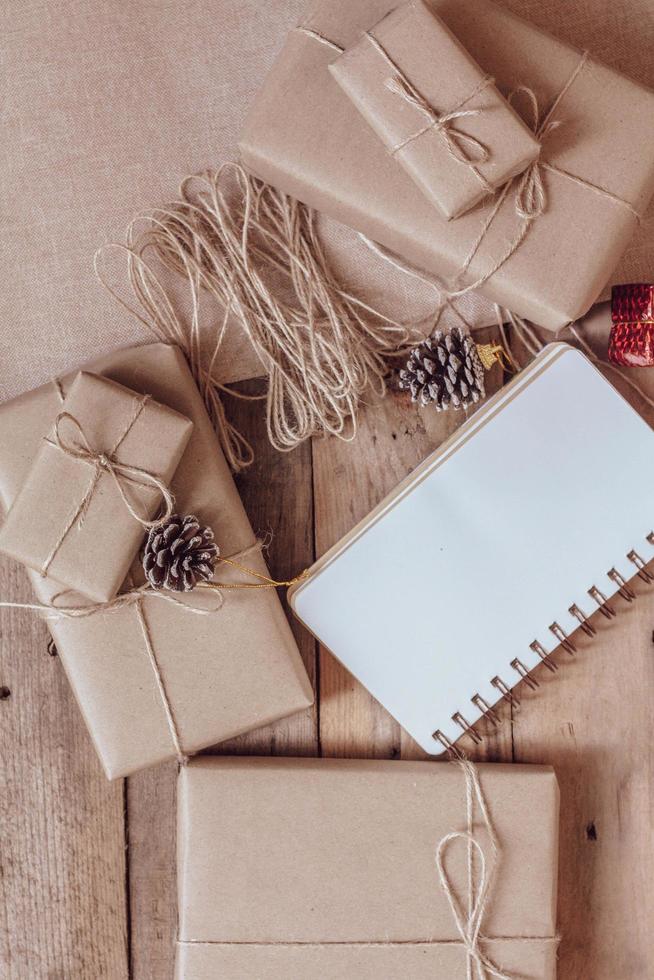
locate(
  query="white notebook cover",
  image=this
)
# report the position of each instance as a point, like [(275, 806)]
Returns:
[(491, 540)]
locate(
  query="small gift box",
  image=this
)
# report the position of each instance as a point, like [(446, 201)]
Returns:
[(546, 245), (435, 110), (161, 674), (631, 341), (96, 481), (297, 868)]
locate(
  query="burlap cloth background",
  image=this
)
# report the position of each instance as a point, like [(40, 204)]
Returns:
[(106, 105)]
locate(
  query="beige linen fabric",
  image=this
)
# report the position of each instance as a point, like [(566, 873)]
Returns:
[(107, 105)]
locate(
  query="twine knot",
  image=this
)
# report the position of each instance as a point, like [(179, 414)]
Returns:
[(75, 444), (462, 146), (531, 197)]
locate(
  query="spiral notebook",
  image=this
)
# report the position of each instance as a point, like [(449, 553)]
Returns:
[(501, 544)]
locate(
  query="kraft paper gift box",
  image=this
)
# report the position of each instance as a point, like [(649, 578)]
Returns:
[(406, 76), (69, 519), (596, 166), (219, 674), (291, 869)]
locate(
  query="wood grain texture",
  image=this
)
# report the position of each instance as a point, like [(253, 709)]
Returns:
[(62, 850), (68, 904), (277, 495), (593, 723)]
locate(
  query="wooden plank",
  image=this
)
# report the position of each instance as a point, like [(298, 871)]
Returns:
[(592, 722), (350, 478), (277, 495), (151, 819), (62, 861)]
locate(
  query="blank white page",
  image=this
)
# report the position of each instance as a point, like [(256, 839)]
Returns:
[(545, 490)]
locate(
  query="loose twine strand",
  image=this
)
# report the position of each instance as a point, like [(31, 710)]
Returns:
[(481, 876), (258, 254)]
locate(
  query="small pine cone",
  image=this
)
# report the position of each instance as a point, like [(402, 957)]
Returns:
[(179, 554), (445, 370)]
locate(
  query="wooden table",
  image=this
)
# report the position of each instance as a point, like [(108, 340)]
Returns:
[(87, 867), (87, 876), (87, 873)]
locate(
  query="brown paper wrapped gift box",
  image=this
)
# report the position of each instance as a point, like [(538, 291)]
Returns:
[(298, 868), (305, 136), (416, 47), (224, 673), (69, 519)]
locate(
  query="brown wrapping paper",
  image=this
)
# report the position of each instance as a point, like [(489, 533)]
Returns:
[(462, 163), (297, 868), (304, 135), (69, 519), (223, 673)]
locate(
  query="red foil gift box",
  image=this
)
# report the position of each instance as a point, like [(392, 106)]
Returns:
[(631, 343)]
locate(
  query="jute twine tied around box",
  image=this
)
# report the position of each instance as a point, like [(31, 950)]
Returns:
[(134, 597), (468, 915), (261, 258), (75, 445), (462, 147), (530, 197)]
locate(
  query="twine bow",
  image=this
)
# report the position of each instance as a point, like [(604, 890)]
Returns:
[(479, 966), (531, 197), (469, 924), (463, 147), (76, 445)]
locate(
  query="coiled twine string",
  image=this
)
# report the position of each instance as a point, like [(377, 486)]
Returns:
[(256, 251)]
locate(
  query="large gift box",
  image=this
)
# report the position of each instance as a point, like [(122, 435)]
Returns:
[(165, 675), (298, 868), (545, 256)]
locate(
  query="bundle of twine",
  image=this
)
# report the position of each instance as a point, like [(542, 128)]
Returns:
[(256, 251)]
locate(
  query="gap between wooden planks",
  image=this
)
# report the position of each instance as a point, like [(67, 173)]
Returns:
[(88, 876)]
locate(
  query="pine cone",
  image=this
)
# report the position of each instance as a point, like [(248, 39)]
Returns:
[(446, 370), (179, 554)]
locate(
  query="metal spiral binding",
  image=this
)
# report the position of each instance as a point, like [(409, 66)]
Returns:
[(525, 673), (544, 656), (642, 572), (587, 627), (605, 608)]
